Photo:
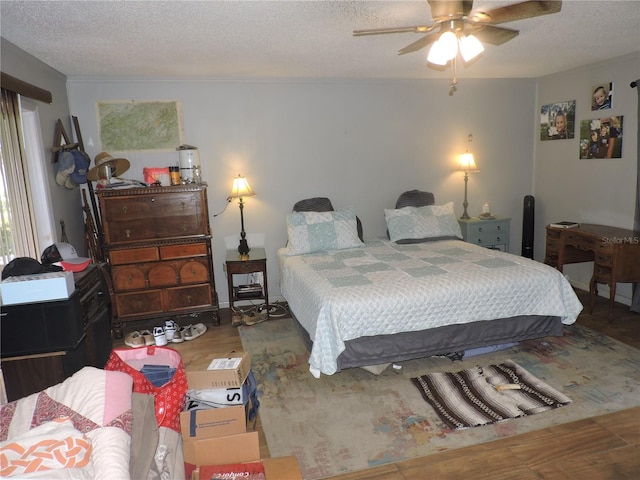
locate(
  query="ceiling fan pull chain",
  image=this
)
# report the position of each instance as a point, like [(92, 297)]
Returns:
[(453, 86)]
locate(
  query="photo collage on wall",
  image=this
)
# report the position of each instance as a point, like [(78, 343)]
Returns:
[(599, 137)]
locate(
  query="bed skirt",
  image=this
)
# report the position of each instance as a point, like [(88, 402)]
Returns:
[(380, 349)]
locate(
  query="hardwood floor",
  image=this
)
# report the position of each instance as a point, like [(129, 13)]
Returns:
[(603, 447)]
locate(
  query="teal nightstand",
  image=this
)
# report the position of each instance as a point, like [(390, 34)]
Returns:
[(492, 233)]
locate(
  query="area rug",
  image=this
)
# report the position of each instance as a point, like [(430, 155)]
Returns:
[(487, 394), (353, 419)]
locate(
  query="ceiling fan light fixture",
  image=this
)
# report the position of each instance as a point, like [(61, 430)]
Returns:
[(448, 43), (470, 47), (444, 49)]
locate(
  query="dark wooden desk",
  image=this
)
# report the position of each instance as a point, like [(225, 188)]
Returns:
[(615, 253)]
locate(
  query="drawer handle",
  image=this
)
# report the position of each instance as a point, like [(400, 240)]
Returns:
[(498, 238), (479, 240), (125, 209), (480, 229), (153, 199), (184, 227), (498, 227), (189, 299), (128, 232), (140, 306)]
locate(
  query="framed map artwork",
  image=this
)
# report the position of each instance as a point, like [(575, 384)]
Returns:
[(128, 125)]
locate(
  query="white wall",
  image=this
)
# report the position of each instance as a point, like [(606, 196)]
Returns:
[(600, 191), (361, 143)]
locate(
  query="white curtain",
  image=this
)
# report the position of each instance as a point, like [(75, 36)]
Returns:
[(17, 227)]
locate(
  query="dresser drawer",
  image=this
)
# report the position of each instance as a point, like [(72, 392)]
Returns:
[(188, 297), (183, 251), (128, 277), (133, 255), (194, 272), (141, 303)]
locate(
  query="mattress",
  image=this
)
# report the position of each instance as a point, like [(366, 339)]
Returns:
[(384, 288)]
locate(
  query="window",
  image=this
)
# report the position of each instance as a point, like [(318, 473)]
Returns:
[(25, 213)]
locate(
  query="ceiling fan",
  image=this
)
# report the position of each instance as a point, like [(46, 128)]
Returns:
[(455, 27)]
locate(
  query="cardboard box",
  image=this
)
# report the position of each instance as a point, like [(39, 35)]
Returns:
[(277, 468), (242, 447), (41, 287), (213, 422), (224, 372)]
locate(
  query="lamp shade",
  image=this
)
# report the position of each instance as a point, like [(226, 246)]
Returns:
[(467, 163), (470, 47), (445, 49), (241, 188)]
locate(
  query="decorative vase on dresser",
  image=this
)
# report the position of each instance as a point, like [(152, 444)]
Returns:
[(157, 243)]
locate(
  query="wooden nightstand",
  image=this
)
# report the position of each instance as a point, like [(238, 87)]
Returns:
[(492, 233), (254, 262)]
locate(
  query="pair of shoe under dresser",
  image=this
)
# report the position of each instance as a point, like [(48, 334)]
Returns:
[(157, 244)]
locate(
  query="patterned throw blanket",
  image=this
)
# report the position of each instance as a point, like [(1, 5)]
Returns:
[(485, 395)]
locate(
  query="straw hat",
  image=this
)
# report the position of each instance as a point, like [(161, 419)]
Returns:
[(104, 159)]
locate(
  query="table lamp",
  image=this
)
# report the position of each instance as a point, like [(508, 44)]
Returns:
[(467, 164), (241, 189)]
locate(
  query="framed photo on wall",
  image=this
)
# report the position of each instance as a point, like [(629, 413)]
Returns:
[(601, 138), (557, 120), (602, 96)]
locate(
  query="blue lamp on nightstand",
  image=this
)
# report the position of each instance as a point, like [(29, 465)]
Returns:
[(241, 189), (467, 164)]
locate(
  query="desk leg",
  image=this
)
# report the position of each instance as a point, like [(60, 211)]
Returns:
[(612, 297), (593, 293)]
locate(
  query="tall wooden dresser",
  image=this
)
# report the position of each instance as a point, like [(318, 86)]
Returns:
[(157, 243)]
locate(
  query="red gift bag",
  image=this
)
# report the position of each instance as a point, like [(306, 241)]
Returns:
[(169, 398)]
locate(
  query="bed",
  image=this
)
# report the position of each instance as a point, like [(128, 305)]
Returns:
[(420, 292)]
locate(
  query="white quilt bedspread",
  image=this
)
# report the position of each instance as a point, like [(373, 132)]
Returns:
[(385, 288)]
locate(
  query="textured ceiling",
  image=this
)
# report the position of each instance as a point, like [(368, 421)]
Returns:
[(295, 39)]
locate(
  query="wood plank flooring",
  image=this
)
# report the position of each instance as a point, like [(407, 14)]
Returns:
[(606, 447)]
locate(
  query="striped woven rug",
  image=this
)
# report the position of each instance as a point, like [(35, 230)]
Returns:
[(484, 395)]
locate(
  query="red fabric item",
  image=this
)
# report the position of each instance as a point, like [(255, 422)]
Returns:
[(170, 398)]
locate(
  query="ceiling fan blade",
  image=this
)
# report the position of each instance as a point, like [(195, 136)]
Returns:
[(380, 31), (495, 35), (518, 11), (417, 45)]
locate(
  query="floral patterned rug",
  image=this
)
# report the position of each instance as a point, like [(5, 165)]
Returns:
[(354, 420)]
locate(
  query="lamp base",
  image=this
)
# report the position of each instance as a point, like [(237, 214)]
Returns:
[(243, 248)]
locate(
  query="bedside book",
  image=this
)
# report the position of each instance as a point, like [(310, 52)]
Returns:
[(564, 225)]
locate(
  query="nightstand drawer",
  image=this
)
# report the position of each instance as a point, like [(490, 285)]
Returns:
[(489, 239)]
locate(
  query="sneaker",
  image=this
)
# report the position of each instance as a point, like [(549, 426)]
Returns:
[(134, 340), (170, 328), (194, 331), (177, 336), (148, 337), (159, 336)]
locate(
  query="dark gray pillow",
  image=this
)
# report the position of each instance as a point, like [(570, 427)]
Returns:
[(415, 198)]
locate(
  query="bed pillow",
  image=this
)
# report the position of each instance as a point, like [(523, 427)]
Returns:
[(310, 232), (416, 224)]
